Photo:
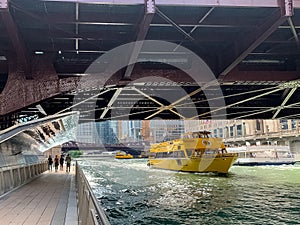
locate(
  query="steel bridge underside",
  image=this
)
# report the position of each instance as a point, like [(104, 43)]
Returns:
[(49, 51)]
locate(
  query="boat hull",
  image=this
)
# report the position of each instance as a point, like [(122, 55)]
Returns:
[(124, 157), (239, 163), (196, 165)]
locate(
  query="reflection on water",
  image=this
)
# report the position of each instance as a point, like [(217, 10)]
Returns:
[(131, 193)]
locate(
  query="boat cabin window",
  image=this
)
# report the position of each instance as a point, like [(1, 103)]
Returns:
[(211, 152), (173, 154), (251, 155), (189, 152), (179, 154)]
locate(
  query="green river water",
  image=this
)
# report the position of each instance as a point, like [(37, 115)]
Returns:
[(132, 193)]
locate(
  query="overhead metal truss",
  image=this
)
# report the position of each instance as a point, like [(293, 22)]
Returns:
[(252, 47), (186, 102)]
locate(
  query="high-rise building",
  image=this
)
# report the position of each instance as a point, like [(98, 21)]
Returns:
[(107, 132), (130, 130), (146, 130), (164, 130), (86, 133)]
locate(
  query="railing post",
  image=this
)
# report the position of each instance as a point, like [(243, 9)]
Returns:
[(29, 172), (11, 175), (85, 203), (80, 200), (90, 215), (19, 176), (1, 182)]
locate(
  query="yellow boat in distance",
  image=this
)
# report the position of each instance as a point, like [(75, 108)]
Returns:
[(194, 152), (123, 155)]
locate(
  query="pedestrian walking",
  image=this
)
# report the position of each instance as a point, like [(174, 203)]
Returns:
[(50, 162), (61, 162), (56, 163), (68, 161)]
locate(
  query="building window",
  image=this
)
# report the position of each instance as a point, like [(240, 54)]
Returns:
[(293, 122), (258, 127), (215, 133), (284, 124), (239, 131), (221, 132), (231, 131)]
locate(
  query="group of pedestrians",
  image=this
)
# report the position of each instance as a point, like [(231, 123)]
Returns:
[(59, 162)]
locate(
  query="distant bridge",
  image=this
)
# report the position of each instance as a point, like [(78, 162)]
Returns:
[(129, 148)]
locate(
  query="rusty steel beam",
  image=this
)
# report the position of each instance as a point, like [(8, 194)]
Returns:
[(196, 26), (19, 92), (34, 34), (248, 42), (94, 19), (49, 23), (293, 29), (175, 25), (237, 75), (180, 77), (240, 3), (15, 38), (141, 35)]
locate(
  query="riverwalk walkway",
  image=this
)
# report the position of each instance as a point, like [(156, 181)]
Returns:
[(48, 199)]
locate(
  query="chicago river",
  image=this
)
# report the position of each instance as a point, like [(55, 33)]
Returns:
[(132, 193)]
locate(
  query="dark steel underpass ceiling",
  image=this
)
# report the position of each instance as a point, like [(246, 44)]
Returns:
[(252, 47)]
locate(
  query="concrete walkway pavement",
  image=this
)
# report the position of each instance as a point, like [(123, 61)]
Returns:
[(50, 199)]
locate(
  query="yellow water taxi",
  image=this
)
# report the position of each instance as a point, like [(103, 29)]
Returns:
[(194, 152), (123, 155)]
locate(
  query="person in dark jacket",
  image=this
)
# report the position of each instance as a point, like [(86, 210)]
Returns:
[(56, 163), (61, 162), (50, 162)]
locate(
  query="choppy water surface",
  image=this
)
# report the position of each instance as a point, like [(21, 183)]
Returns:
[(131, 193)]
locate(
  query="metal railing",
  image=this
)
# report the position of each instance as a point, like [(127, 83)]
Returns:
[(89, 211), (13, 176)]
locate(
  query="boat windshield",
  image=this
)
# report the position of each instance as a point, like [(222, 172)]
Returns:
[(189, 152), (200, 134), (173, 154)]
